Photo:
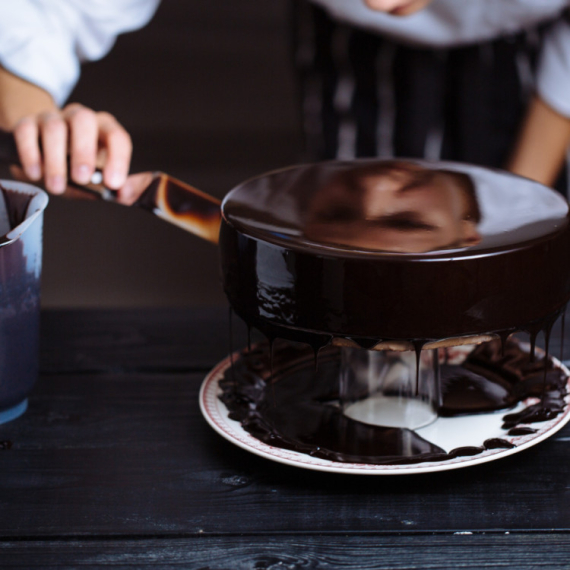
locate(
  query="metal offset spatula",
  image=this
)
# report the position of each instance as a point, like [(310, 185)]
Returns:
[(165, 196)]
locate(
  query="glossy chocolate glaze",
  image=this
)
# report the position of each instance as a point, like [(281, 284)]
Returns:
[(318, 251), (296, 408), (182, 205)]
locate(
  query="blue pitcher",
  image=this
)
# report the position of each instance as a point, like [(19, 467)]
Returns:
[(21, 221)]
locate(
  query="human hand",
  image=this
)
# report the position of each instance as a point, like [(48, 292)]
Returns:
[(90, 139), (397, 7)]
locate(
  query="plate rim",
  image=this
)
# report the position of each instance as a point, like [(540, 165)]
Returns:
[(210, 389)]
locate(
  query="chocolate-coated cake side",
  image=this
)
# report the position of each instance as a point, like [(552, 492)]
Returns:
[(394, 250)]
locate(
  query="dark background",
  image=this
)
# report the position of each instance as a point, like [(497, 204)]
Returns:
[(207, 92)]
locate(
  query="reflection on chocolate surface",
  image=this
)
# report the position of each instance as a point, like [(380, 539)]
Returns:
[(395, 206), (278, 207), (296, 408)]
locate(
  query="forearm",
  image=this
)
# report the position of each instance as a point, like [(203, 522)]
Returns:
[(19, 98), (542, 144)]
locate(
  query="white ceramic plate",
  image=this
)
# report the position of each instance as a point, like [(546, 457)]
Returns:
[(447, 433)]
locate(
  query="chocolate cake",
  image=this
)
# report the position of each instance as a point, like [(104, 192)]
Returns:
[(373, 251), (392, 255)]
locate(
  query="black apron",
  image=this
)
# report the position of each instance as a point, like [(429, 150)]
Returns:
[(363, 95)]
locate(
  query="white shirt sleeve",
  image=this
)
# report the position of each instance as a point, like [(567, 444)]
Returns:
[(45, 41), (553, 77)]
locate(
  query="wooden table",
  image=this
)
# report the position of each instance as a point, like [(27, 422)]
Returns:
[(113, 465)]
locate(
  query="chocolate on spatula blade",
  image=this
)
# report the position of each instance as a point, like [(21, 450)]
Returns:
[(182, 205)]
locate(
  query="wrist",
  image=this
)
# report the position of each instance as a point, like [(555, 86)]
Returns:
[(19, 98)]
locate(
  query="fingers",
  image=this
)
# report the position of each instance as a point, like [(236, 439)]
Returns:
[(134, 187), (117, 142), (26, 135), (51, 164), (53, 133), (83, 141), (47, 141)]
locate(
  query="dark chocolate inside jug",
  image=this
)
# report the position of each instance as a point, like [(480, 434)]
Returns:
[(16, 204)]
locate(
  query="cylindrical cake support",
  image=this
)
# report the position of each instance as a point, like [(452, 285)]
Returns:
[(389, 388)]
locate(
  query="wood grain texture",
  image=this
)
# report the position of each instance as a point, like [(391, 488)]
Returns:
[(157, 340), (123, 341), (130, 454), (114, 466), (442, 552)]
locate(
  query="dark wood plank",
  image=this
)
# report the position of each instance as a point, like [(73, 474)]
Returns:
[(130, 454), (446, 552), (135, 340), (176, 339)]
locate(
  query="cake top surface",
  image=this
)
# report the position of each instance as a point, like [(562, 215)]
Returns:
[(395, 208)]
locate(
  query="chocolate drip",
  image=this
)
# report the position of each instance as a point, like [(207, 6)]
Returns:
[(316, 351), (533, 336), (504, 336), (231, 344), (418, 346), (547, 331), (437, 375), (562, 323)]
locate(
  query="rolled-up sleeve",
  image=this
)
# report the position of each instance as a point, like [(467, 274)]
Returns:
[(45, 41), (553, 76)]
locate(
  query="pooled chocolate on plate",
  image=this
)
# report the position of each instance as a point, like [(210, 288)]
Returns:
[(297, 408)]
